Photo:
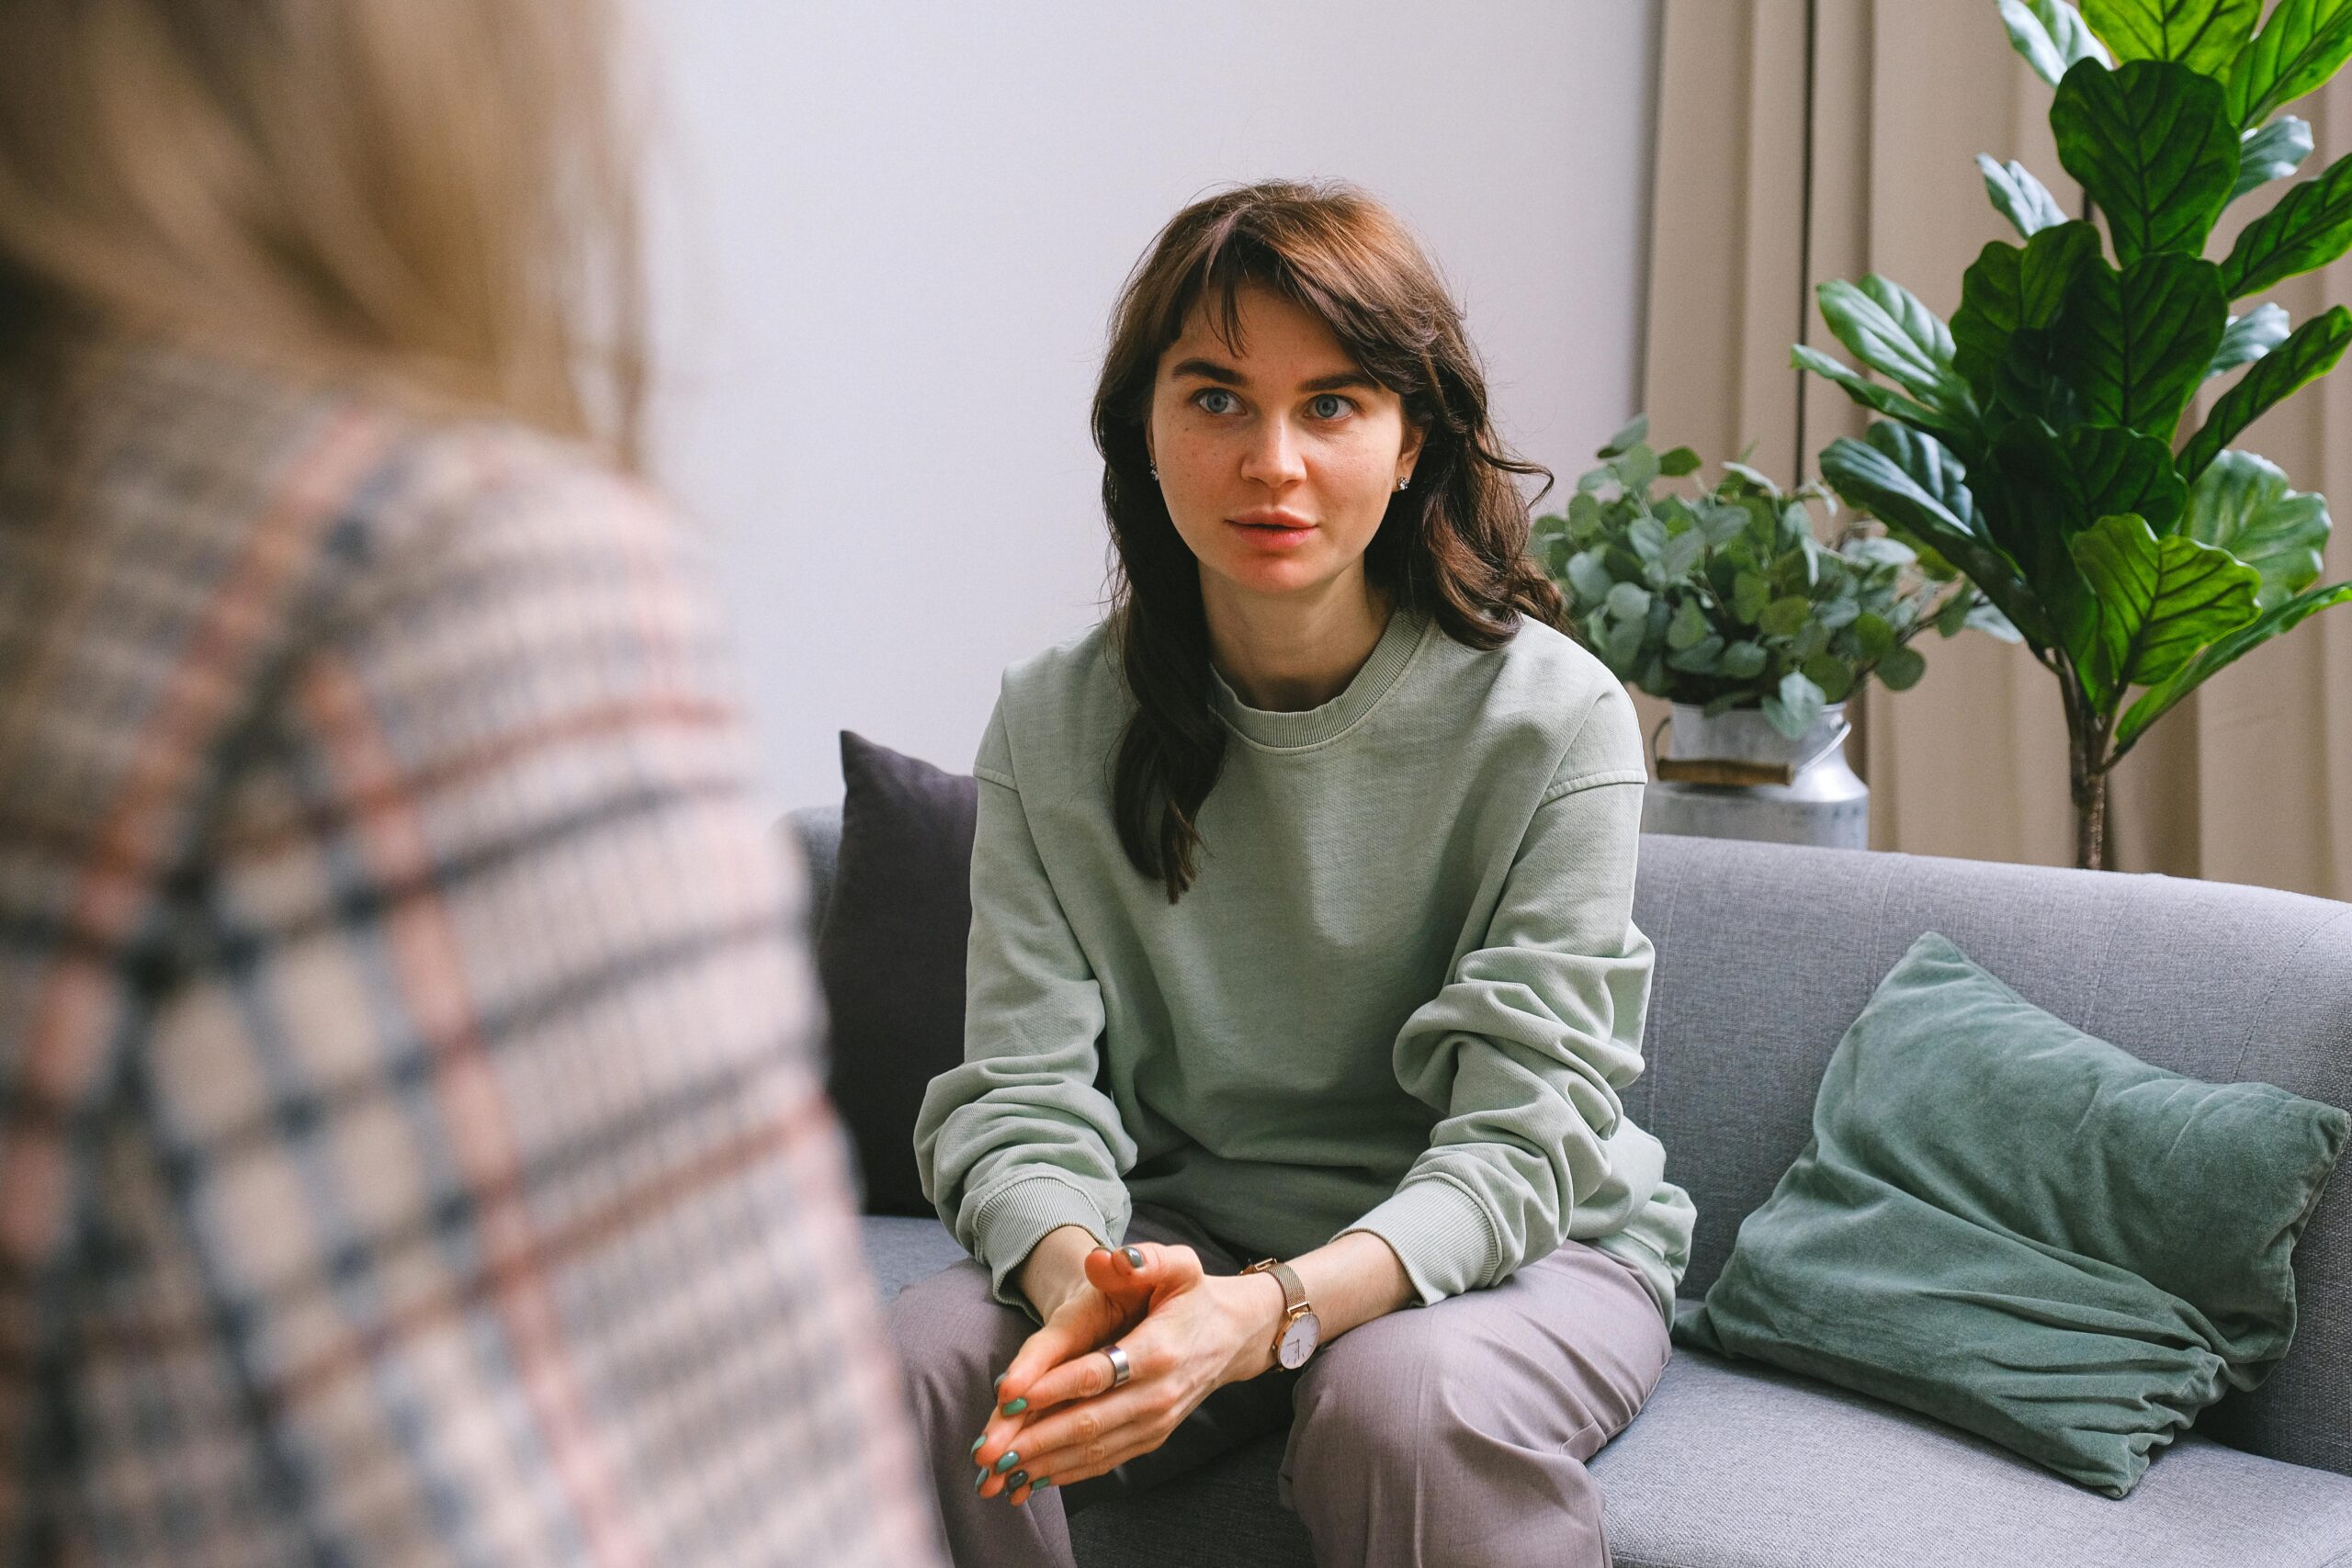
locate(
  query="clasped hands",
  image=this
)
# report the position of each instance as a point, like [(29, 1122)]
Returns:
[(1186, 1334)]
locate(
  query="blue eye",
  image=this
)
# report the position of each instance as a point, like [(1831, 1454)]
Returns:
[(1202, 397), (1330, 405)]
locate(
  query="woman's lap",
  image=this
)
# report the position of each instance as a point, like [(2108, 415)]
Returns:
[(1548, 1365), (1227, 1419), (1559, 1357)]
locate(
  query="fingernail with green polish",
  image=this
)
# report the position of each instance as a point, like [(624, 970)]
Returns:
[(983, 1480), (1011, 1457), (1040, 1483), (1014, 1406), (1134, 1258), (1012, 1482), (977, 1442)]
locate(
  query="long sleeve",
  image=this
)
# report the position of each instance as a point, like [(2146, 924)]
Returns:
[(464, 1191), (1526, 1047), (1019, 1140)]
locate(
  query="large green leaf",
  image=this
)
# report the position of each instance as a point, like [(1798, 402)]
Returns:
[(2280, 618), (2274, 152), (2051, 36), (2033, 509), (1887, 328), (2153, 145), (2300, 47), (2135, 344), (2308, 353), (2003, 346), (2031, 381), (2040, 489), (2242, 505), (2204, 35), (2010, 287), (2311, 227), (1933, 470), (2053, 260), (1912, 484), (2249, 337), (1874, 397), (2158, 601), (1988, 311), (2112, 470), (2025, 201)]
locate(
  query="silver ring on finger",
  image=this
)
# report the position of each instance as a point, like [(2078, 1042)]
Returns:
[(1120, 1369)]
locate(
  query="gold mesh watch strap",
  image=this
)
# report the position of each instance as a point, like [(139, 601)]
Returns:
[(1294, 1301), (1293, 1289)]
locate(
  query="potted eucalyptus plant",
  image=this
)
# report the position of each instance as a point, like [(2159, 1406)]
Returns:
[(1726, 604), (2036, 443)]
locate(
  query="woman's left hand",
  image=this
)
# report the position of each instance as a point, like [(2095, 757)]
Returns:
[(1202, 1332)]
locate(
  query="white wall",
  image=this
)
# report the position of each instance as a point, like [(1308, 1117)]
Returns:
[(888, 234)]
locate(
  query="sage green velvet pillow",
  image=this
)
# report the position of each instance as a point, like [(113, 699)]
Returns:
[(2012, 1227)]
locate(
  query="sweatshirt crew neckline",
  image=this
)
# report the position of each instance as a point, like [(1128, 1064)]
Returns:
[(1400, 640)]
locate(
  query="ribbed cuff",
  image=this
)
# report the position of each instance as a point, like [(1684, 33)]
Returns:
[(1439, 1232), (1013, 1219)]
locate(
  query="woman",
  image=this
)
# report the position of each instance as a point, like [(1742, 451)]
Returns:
[(1302, 933), (410, 1148)]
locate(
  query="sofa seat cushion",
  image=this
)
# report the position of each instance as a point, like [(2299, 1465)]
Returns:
[(1741, 1466), (901, 1249), (1738, 1466)]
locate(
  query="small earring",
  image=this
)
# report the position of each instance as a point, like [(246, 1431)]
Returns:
[(1404, 479), (1155, 471)]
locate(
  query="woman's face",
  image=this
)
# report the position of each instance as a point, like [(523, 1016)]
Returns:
[(1278, 461)]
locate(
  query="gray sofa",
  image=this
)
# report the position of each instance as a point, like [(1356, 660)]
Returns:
[(1765, 955)]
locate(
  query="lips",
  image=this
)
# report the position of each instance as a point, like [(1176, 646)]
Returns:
[(1272, 535), (1273, 527)]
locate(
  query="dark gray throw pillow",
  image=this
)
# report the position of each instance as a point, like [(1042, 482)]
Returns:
[(891, 956)]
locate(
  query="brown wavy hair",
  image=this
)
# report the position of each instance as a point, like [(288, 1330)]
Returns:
[(1454, 544)]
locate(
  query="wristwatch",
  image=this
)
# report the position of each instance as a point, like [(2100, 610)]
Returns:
[(1300, 1331)]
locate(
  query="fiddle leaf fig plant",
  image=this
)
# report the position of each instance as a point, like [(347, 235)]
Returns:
[(1728, 598), (2036, 443)]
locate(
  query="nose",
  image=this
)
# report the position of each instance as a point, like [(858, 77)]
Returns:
[(1273, 457)]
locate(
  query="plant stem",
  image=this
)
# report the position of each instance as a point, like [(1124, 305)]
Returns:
[(2090, 822), (2088, 735)]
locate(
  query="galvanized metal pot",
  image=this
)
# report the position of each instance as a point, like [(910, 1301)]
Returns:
[(1822, 802)]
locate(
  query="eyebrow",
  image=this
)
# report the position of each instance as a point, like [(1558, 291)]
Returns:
[(1210, 370)]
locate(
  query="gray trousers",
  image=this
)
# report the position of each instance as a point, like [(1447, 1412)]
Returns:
[(1450, 1436)]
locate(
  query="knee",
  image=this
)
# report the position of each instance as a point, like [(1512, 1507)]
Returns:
[(1387, 1389)]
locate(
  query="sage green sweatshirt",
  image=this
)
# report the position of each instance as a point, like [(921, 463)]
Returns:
[(1403, 994)]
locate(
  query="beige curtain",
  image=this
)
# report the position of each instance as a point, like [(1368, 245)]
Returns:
[(1804, 139)]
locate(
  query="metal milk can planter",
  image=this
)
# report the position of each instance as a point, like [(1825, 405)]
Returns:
[(1734, 776)]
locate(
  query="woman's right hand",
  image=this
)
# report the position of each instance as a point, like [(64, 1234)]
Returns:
[(1118, 1292), (1121, 1285)]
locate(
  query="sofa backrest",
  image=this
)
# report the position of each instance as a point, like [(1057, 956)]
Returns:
[(1767, 952)]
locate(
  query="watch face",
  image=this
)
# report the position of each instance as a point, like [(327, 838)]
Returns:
[(1299, 1342)]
